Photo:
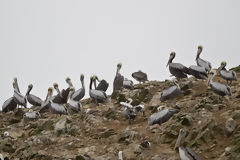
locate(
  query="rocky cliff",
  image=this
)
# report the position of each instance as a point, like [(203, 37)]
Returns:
[(212, 124)]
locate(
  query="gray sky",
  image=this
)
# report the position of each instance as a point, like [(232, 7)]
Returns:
[(42, 42)]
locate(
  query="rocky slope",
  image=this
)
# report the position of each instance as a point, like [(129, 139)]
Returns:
[(212, 124)]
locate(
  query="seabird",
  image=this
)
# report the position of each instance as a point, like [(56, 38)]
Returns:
[(218, 88), (96, 95), (170, 92), (140, 76), (129, 112), (46, 104), (176, 69), (225, 74), (201, 62), (32, 99), (185, 153), (31, 115), (75, 106), (9, 105), (162, 116), (118, 80), (80, 93)]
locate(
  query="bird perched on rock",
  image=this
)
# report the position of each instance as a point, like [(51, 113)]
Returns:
[(229, 76), (140, 76)]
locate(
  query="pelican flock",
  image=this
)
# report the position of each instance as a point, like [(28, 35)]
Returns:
[(70, 99)]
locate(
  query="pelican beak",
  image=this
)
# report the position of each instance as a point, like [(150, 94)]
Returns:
[(219, 69), (95, 83), (169, 60), (178, 142), (58, 91)]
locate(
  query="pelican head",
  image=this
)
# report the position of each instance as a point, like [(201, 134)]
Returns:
[(119, 65), (30, 86), (223, 64), (212, 73), (68, 79), (160, 108), (71, 89), (181, 137), (50, 89), (15, 79), (172, 56), (69, 82), (199, 51), (55, 85)]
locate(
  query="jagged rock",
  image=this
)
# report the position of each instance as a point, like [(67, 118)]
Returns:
[(155, 101), (236, 115), (61, 125), (230, 126), (6, 146)]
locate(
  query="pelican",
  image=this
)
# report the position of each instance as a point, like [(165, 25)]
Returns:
[(198, 72), (31, 115), (218, 88), (201, 62), (118, 80), (9, 105), (176, 69), (170, 92), (65, 92), (225, 74), (46, 104), (140, 108), (80, 93), (185, 153), (162, 116), (140, 76), (128, 84), (59, 98), (72, 104), (129, 112), (32, 99), (102, 86), (18, 97), (96, 95), (57, 108)]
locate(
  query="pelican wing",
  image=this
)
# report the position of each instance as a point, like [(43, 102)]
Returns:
[(128, 84), (79, 94), (207, 65), (221, 89), (58, 108), (192, 154), (96, 94), (140, 76), (170, 93), (102, 86), (20, 99), (198, 72), (34, 100), (160, 117), (75, 105), (9, 105), (228, 75)]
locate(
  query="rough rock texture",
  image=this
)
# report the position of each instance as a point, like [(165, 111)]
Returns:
[(212, 124)]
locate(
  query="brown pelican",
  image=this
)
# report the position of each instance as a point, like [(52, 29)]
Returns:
[(140, 76), (227, 75), (80, 93), (185, 153), (218, 88), (170, 92), (129, 112), (9, 105), (176, 69), (162, 116), (96, 95), (198, 72), (201, 62), (72, 104), (46, 104), (61, 97), (31, 115), (118, 80), (128, 84), (32, 99), (58, 108), (18, 97), (102, 86)]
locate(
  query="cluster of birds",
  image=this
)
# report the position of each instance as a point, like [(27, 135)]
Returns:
[(69, 98)]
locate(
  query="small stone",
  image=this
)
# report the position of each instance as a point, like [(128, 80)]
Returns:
[(230, 126), (227, 150)]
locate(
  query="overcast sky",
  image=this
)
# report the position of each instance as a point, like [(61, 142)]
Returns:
[(44, 41)]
